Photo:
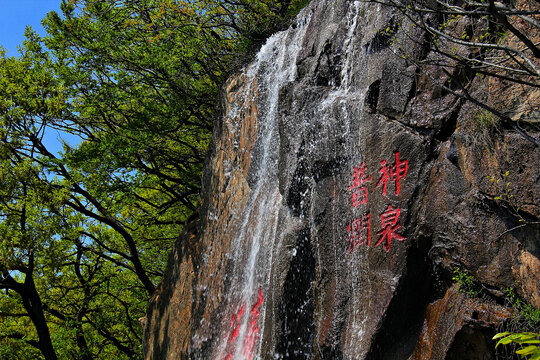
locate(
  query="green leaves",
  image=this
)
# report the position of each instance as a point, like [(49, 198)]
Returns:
[(466, 283), (530, 343), (85, 232), (526, 311)]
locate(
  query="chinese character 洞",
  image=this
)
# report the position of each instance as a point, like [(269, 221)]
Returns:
[(394, 173), (390, 226), (360, 193), (359, 232)]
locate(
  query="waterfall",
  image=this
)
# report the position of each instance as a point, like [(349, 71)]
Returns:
[(274, 67)]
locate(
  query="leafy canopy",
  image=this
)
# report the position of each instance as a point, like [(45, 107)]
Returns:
[(85, 232)]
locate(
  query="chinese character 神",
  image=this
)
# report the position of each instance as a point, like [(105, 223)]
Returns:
[(360, 193), (385, 176), (395, 173), (390, 227), (399, 170), (359, 232)]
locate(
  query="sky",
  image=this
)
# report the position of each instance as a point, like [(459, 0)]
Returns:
[(15, 15)]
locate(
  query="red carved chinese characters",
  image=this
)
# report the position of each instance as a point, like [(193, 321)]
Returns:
[(390, 226), (385, 176), (235, 324), (399, 170), (395, 173), (359, 232), (252, 331), (360, 193)]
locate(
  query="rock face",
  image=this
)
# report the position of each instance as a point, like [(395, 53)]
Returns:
[(342, 192)]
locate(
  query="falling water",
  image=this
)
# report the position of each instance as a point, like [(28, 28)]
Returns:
[(274, 67)]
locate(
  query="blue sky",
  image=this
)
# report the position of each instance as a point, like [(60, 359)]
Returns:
[(16, 14)]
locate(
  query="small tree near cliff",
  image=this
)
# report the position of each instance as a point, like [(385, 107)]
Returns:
[(496, 41)]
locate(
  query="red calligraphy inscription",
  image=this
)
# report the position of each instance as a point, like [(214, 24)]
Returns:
[(393, 173), (360, 193), (252, 331), (399, 170), (235, 323), (390, 226), (359, 232), (385, 176)]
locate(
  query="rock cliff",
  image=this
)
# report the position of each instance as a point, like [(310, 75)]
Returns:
[(342, 192)]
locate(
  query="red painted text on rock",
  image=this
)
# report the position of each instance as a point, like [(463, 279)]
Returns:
[(390, 226), (359, 229), (252, 331)]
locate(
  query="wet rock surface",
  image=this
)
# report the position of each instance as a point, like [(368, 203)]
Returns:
[(459, 327), (342, 192)]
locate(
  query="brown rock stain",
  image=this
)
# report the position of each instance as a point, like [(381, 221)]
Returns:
[(445, 317), (199, 262), (527, 275)]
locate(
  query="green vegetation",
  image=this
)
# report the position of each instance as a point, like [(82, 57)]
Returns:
[(527, 312), (526, 320), (486, 119), (466, 283), (506, 193), (85, 233), (528, 342), (483, 127)]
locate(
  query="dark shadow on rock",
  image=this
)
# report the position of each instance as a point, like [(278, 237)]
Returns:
[(323, 169), (472, 343), (398, 334), (331, 353), (296, 307), (298, 199)]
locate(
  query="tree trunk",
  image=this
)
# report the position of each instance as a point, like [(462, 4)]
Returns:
[(34, 307)]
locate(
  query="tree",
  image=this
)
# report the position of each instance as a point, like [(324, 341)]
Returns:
[(85, 232), (55, 235), (497, 41)]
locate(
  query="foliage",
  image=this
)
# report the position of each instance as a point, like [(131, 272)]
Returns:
[(487, 119), (526, 311), (465, 41), (466, 283), (527, 340), (528, 318), (85, 232), (483, 126), (507, 193), (503, 194)]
